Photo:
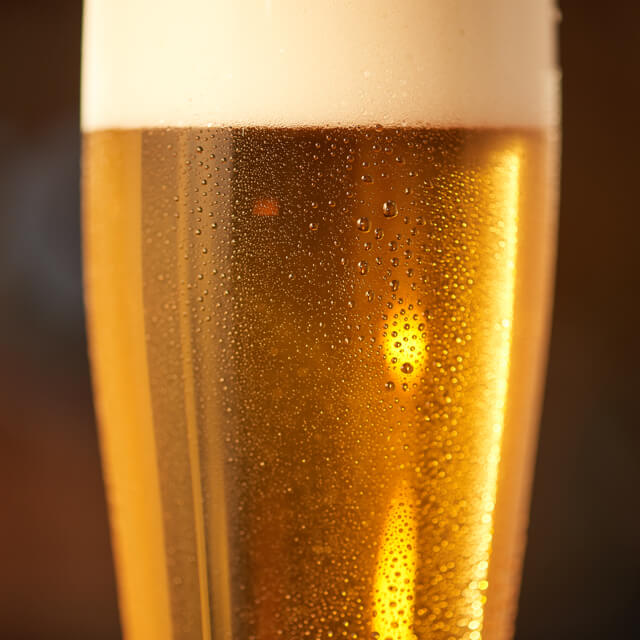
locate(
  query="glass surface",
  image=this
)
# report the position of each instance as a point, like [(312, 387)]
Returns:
[(319, 242)]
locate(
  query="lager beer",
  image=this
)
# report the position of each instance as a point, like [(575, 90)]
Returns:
[(318, 261)]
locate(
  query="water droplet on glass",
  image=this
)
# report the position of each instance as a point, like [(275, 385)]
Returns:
[(379, 233), (394, 285), (406, 368), (363, 224), (313, 226), (363, 266), (389, 386), (389, 209)]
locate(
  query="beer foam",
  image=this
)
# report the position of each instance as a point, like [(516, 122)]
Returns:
[(319, 62)]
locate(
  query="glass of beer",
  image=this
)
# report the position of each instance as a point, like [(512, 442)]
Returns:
[(319, 242)]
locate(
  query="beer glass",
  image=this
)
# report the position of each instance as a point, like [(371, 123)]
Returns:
[(319, 244)]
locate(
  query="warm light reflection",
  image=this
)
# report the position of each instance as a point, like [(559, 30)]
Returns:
[(504, 295), (404, 343), (395, 579)]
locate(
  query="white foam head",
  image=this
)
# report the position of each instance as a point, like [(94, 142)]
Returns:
[(154, 63)]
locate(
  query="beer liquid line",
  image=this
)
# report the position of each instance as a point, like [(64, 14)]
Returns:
[(336, 339)]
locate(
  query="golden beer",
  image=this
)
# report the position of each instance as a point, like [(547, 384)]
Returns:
[(317, 356), (318, 249)]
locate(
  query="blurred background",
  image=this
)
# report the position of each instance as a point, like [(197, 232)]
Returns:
[(582, 569)]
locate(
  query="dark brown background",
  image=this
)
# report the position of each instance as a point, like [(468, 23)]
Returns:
[(582, 572)]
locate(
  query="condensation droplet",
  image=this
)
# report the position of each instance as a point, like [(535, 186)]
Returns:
[(390, 386), (363, 266), (394, 284), (363, 224), (379, 233), (406, 368), (313, 226), (389, 209)]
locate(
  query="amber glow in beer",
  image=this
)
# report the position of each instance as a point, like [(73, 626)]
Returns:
[(318, 347)]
